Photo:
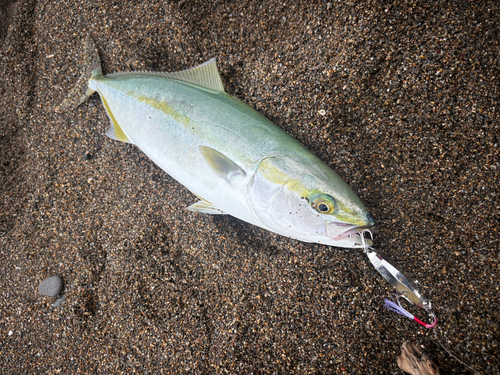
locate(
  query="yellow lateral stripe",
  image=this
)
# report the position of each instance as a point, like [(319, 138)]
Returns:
[(274, 175), (165, 108)]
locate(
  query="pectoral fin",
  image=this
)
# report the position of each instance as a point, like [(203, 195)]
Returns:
[(222, 166), (205, 207)]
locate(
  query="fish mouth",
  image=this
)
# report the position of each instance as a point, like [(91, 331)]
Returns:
[(355, 230), (340, 231)]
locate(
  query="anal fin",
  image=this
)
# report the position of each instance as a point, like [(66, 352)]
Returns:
[(115, 131)]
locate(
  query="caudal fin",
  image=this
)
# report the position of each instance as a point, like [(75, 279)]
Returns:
[(91, 68)]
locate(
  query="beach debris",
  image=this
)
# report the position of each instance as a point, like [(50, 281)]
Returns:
[(51, 286), (415, 361)]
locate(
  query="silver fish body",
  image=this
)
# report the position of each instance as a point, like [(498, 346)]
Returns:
[(233, 158)]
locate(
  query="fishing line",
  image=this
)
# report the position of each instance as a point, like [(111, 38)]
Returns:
[(454, 357)]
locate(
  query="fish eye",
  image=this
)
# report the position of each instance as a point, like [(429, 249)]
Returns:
[(324, 204), (323, 207)]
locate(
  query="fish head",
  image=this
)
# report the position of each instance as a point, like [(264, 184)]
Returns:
[(307, 201)]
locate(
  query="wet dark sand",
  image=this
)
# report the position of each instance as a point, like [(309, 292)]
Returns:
[(411, 101)]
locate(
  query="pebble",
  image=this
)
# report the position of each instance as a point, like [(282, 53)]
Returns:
[(51, 286), (58, 302)]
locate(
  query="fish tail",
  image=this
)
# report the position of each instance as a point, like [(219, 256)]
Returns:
[(91, 69)]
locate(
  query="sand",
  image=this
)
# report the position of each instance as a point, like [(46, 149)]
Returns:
[(401, 100)]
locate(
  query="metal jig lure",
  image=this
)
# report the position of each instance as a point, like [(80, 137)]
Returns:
[(389, 271)]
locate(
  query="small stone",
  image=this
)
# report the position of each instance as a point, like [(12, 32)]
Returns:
[(58, 302), (51, 286)]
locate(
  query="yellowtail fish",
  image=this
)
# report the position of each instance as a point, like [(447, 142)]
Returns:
[(232, 158)]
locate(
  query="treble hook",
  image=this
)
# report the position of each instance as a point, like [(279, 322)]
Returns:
[(369, 231), (363, 243)]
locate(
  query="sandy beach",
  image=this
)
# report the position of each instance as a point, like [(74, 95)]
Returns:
[(402, 101)]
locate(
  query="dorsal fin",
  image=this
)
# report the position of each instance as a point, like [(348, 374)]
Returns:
[(205, 75)]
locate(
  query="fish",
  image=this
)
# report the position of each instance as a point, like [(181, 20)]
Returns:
[(235, 160)]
